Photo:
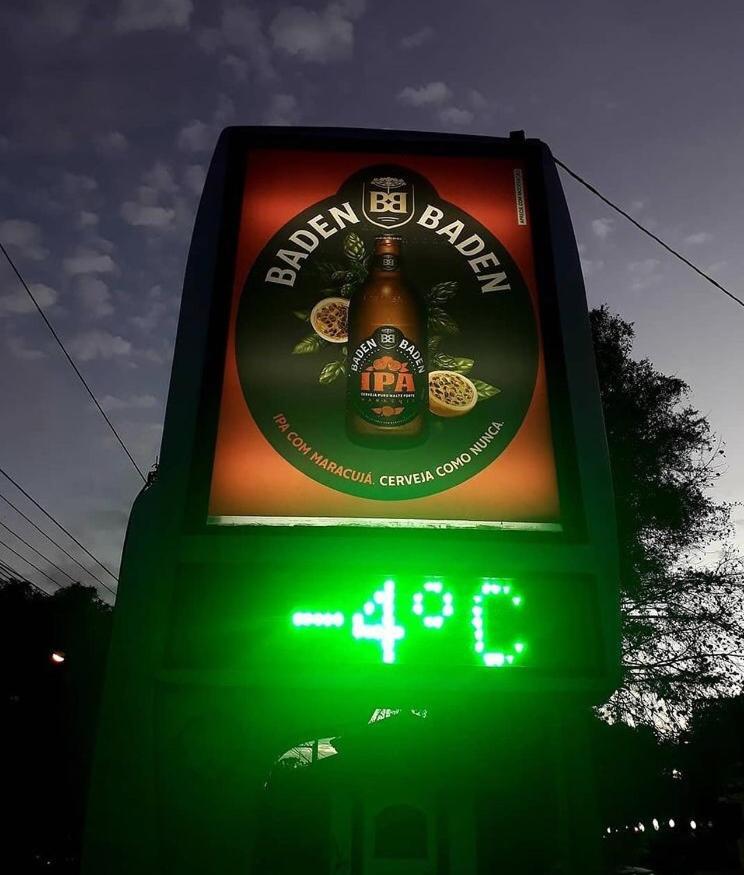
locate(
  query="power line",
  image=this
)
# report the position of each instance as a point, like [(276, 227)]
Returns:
[(51, 539), (648, 233), (58, 524), (38, 552), (28, 562), (72, 363), (12, 575)]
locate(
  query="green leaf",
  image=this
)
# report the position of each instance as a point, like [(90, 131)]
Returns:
[(452, 363), (304, 315), (311, 343), (342, 276), (354, 248), (442, 292), (326, 269), (441, 322), (485, 390), (332, 371), (434, 342)]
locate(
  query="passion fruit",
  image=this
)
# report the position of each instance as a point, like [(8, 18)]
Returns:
[(451, 394), (330, 318)]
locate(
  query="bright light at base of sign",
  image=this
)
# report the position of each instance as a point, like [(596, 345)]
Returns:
[(434, 606)]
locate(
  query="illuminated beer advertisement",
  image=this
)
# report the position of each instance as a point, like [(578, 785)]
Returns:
[(384, 357)]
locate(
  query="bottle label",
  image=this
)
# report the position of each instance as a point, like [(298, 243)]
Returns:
[(386, 261), (387, 378)]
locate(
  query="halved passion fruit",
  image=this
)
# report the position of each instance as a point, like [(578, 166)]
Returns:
[(451, 394), (329, 319)]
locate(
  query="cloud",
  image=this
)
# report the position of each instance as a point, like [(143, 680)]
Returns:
[(699, 237), (144, 216), (195, 137), (89, 261), (97, 344), (284, 109), (19, 350), (135, 402), (602, 228), (453, 115), (241, 31), (18, 303), (94, 296), (199, 136), (417, 38), (87, 219), (112, 144), (23, 237), (645, 273), (433, 94), (77, 185), (317, 36), (137, 15)]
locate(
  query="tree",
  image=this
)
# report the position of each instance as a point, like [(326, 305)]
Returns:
[(683, 622), (48, 717)]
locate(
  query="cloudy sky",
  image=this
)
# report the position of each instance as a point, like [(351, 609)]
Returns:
[(112, 108)]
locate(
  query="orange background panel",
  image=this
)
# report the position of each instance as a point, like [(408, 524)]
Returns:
[(250, 478)]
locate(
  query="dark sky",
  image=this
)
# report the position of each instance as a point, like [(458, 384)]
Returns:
[(111, 110)]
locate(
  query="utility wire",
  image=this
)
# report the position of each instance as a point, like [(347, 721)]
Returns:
[(648, 233), (72, 363), (13, 576), (38, 552), (56, 523), (28, 562), (50, 538)]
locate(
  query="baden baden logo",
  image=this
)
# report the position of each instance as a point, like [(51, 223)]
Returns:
[(388, 201)]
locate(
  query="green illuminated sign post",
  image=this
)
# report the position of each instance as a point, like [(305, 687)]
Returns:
[(284, 574)]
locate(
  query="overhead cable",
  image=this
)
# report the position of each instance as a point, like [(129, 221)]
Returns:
[(648, 233), (28, 562), (51, 539), (56, 522), (38, 552), (71, 362)]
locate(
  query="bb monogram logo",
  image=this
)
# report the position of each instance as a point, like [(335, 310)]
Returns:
[(388, 201)]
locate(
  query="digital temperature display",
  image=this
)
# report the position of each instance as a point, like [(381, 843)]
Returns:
[(382, 622), (490, 614)]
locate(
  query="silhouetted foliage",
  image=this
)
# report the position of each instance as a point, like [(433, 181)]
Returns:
[(683, 623), (48, 718)]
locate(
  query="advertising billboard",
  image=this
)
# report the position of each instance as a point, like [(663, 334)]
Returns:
[(405, 387)]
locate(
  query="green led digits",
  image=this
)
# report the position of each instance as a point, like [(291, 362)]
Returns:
[(385, 630), (502, 590), (436, 620), (492, 606)]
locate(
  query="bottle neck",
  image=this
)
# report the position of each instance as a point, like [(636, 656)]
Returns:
[(386, 262)]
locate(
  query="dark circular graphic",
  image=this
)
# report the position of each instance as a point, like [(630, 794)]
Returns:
[(294, 380)]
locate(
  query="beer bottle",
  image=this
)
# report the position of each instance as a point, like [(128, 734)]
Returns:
[(387, 384)]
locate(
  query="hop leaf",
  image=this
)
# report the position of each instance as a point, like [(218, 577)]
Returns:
[(304, 315), (434, 342), (485, 390), (441, 322), (354, 248), (453, 363), (311, 343), (332, 371), (442, 292), (327, 269)]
